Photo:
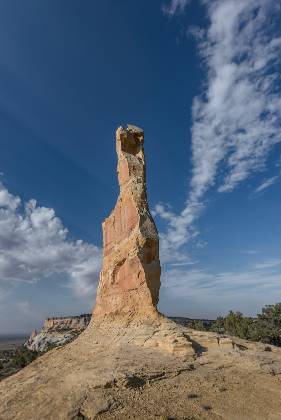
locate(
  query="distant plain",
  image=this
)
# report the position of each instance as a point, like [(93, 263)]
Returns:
[(8, 342)]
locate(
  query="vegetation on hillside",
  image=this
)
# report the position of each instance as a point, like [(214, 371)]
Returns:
[(266, 327), (23, 357), (17, 359)]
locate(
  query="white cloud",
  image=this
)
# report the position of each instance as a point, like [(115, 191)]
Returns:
[(177, 233), (266, 183), (268, 264), (34, 244), (256, 279), (196, 32), (236, 119), (203, 293), (7, 200), (182, 264), (250, 251), (175, 6)]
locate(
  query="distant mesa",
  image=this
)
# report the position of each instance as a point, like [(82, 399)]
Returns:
[(57, 332)]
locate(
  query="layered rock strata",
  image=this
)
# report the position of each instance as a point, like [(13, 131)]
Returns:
[(130, 278), (129, 284), (65, 323), (57, 331)]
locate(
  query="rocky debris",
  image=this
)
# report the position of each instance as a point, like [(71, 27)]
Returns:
[(57, 331), (95, 403), (263, 357), (33, 334), (128, 291)]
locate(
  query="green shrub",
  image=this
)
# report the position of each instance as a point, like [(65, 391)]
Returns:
[(218, 325), (266, 327), (23, 357), (197, 324), (236, 324)]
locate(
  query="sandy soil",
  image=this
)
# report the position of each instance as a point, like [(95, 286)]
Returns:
[(87, 380)]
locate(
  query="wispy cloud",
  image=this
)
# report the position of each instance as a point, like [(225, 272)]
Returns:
[(250, 251), (34, 245), (268, 264), (182, 264), (267, 183), (186, 283), (175, 6), (236, 119)]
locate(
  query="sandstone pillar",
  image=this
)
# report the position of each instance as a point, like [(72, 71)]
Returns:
[(130, 277), (125, 311)]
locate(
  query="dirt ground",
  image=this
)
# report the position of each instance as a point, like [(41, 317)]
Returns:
[(86, 380)]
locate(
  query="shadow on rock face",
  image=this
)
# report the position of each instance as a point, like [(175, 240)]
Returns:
[(131, 382), (197, 347)]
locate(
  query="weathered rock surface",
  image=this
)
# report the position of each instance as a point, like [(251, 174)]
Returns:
[(130, 277), (57, 331), (65, 323), (129, 284), (90, 380), (123, 366)]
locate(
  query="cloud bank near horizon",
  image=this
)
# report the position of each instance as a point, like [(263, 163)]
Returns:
[(236, 121), (206, 291), (34, 244)]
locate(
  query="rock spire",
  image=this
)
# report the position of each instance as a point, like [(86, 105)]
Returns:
[(130, 277), (125, 311)]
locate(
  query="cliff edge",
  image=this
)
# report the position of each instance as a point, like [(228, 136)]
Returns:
[(57, 332)]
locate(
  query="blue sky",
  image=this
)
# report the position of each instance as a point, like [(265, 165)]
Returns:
[(203, 80)]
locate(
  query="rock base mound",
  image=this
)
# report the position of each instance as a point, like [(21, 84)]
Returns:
[(125, 311), (92, 379), (159, 333)]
